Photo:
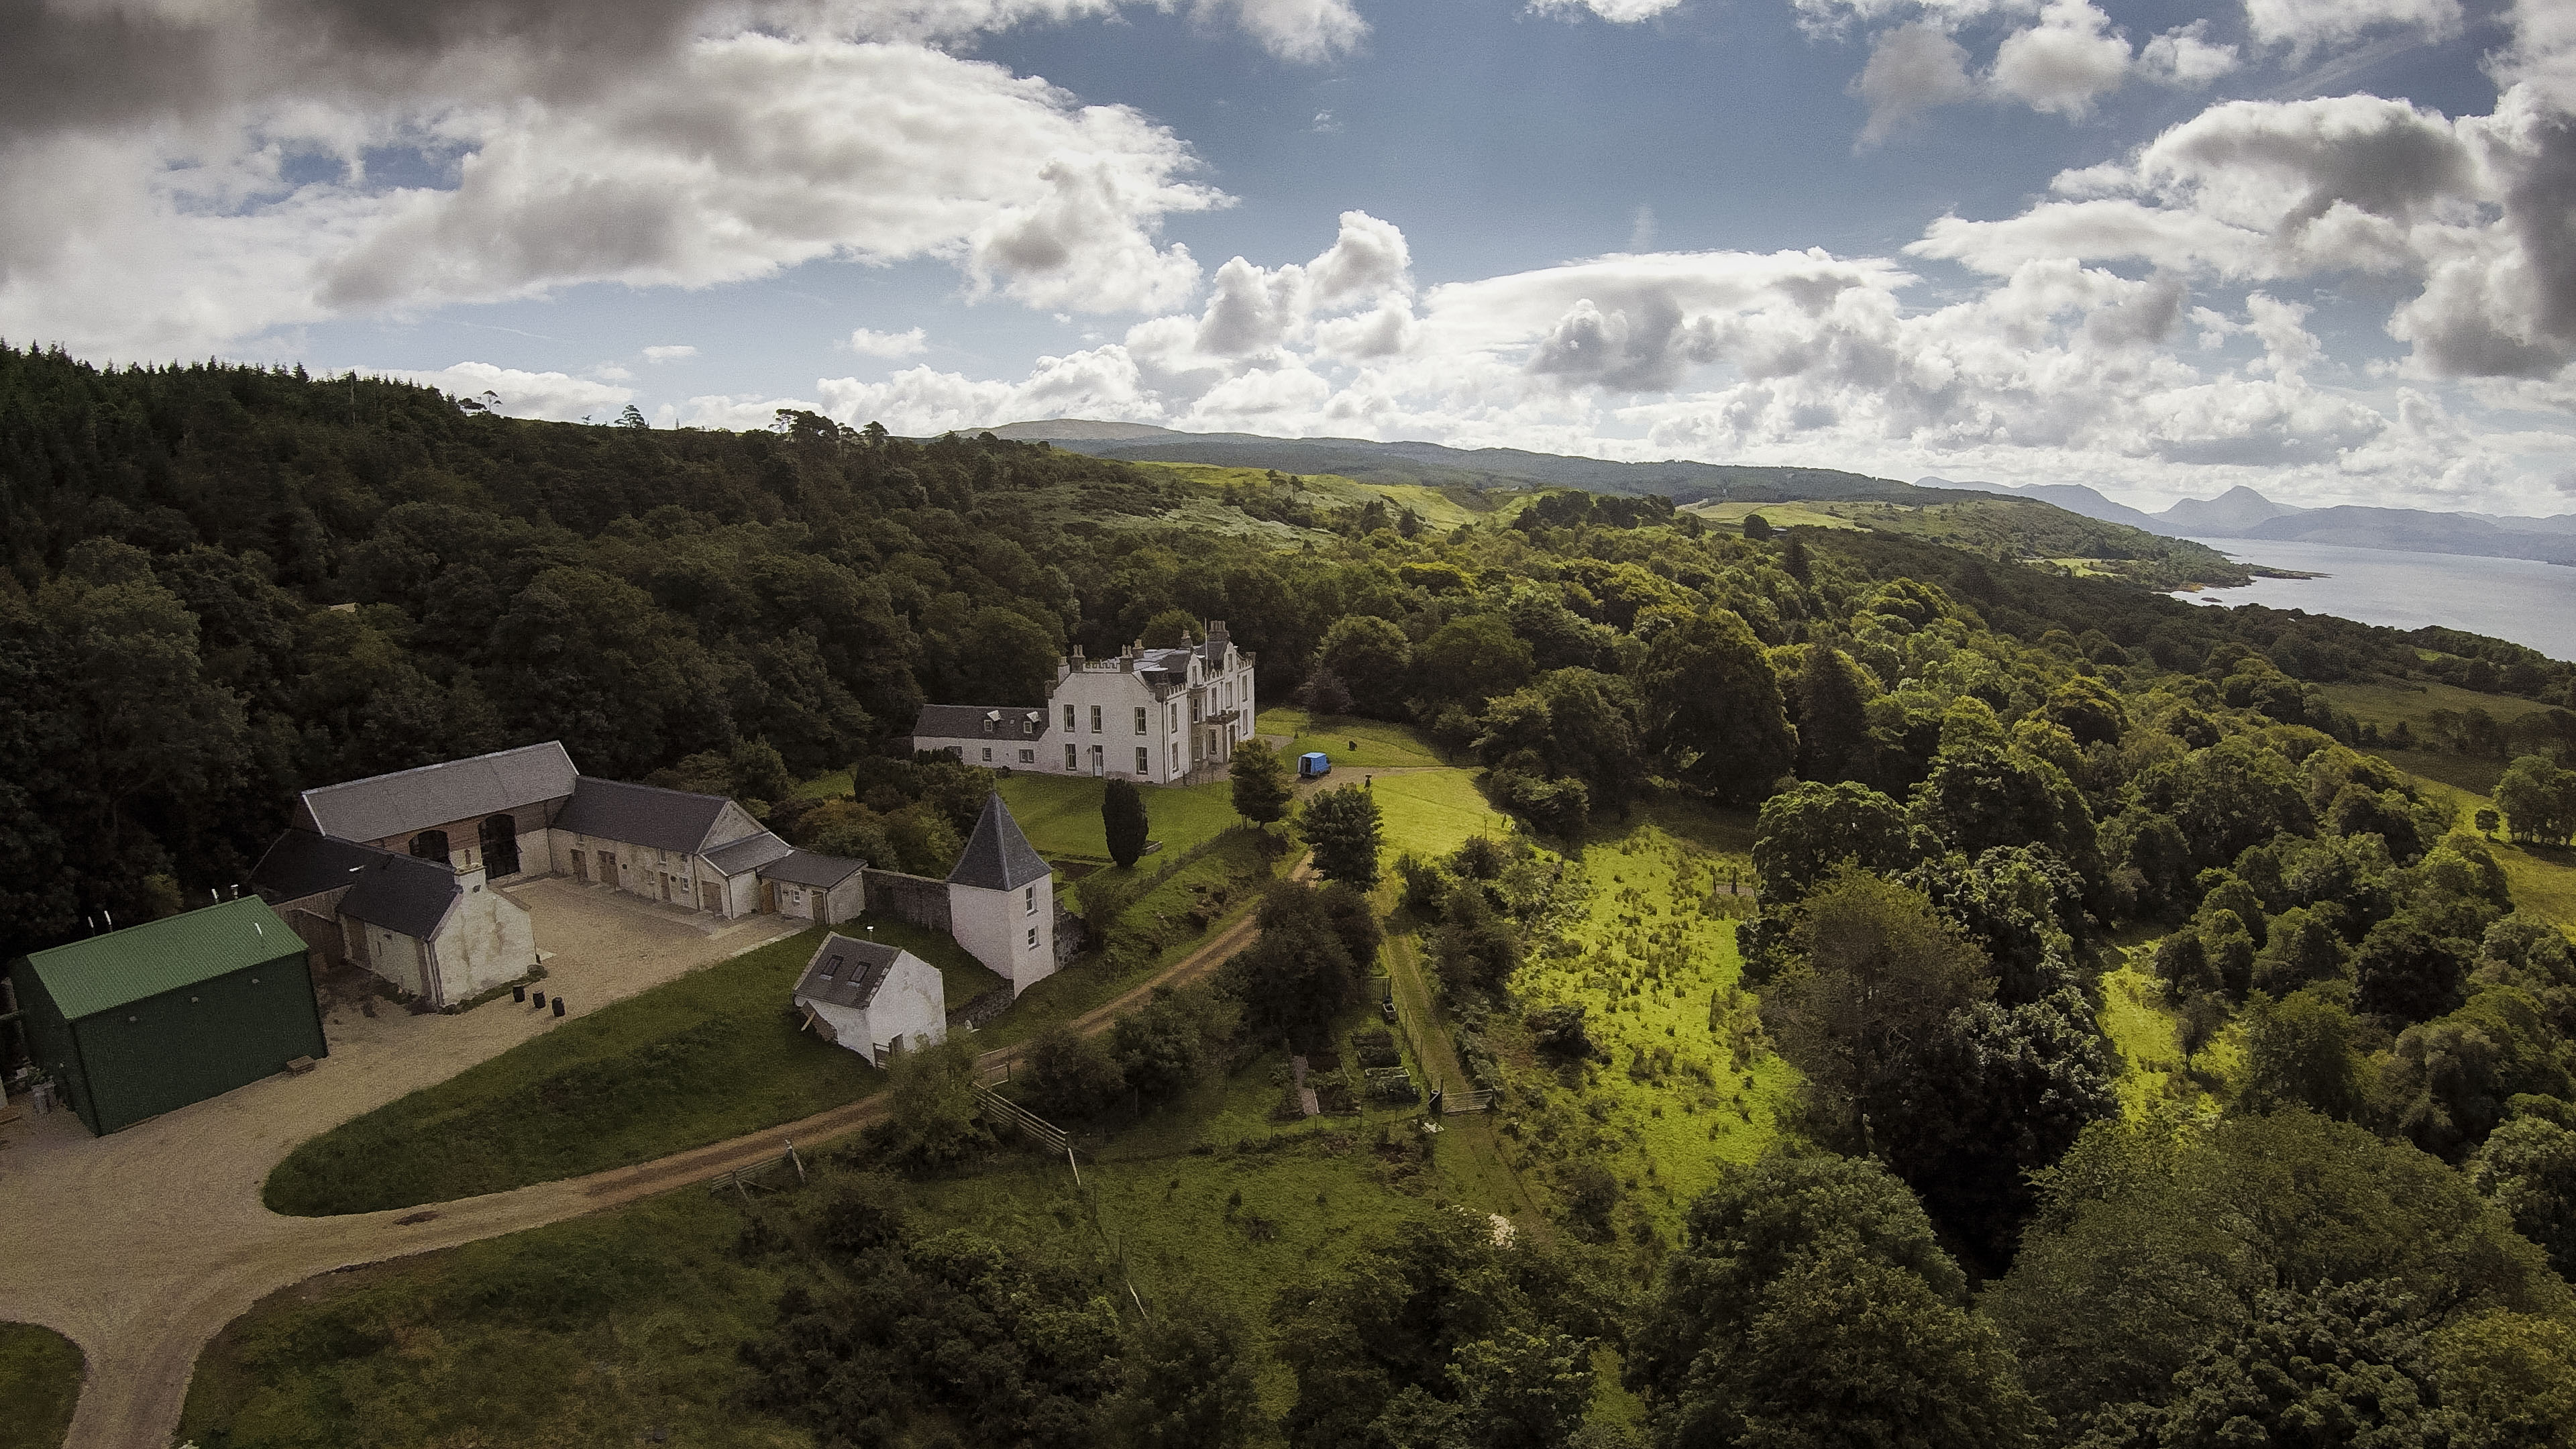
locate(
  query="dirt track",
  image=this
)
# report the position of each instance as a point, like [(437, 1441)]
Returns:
[(140, 1247)]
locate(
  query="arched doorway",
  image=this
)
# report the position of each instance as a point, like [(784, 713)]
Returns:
[(430, 845), (500, 846)]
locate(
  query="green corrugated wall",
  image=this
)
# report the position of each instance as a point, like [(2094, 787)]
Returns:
[(164, 1052)]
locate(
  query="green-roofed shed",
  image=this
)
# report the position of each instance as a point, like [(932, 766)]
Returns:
[(146, 1020)]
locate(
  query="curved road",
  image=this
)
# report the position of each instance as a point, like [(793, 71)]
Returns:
[(142, 1256)]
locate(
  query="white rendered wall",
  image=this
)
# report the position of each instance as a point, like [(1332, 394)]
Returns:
[(994, 928), (487, 940)]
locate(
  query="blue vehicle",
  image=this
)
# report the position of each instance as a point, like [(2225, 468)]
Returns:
[(1313, 766)]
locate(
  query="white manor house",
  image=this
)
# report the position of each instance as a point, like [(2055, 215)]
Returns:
[(1154, 716)]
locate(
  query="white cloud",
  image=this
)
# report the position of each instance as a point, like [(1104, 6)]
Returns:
[(2062, 64), (2183, 56), (2309, 25), (1617, 12), (1302, 30), (889, 344), (729, 158), (556, 396), (669, 353), (1911, 69)]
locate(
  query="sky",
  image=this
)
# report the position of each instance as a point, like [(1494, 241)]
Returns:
[(2322, 248)]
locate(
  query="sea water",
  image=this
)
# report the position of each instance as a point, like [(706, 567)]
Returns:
[(2526, 601)]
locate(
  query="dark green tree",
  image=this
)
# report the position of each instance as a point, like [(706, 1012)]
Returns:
[(1122, 819), (1299, 972), (1371, 658), (1260, 782), (1342, 826), (2304, 1051), (1185, 1380), (2528, 1170), (1833, 718), (1711, 706), (935, 1123), (1807, 830), (1071, 1076)]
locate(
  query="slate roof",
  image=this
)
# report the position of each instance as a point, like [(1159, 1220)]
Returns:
[(383, 806), (1168, 666), (804, 867), (749, 853), (300, 863), (405, 895), (105, 972), (997, 856), (645, 815), (846, 972), (966, 722)]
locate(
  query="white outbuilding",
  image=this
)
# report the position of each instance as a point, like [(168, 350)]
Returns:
[(872, 998)]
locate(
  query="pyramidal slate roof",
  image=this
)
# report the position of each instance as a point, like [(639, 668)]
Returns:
[(997, 856), (383, 806)]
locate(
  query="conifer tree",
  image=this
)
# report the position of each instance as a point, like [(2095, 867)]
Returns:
[(1261, 790), (1122, 819)]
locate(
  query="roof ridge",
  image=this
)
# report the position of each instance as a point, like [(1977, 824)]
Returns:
[(440, 765)]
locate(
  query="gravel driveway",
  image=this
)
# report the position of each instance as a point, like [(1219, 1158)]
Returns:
[(140, 1245)]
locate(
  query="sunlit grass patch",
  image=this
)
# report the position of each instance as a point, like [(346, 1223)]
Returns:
[(1060, 814), (1351, 742), (1683, 1080), (1433, 813)]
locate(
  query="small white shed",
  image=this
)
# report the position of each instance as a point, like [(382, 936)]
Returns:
[(873, 998)]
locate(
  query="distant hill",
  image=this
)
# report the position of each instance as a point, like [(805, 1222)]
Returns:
[(2232, 514), (1432, 465), (2073, 497), (1070, 430), (2244, 513)]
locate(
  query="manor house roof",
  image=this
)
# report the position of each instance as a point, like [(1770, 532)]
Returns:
[(969, 721)]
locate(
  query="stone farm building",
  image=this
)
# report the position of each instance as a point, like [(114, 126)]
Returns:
[(1154, 716), (404, 873), (407, 874)]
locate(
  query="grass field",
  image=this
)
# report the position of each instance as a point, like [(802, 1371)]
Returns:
[(1060, 814), (1437, 507), (1432, 813), (712, 1055), (40, 1381), (1778, 515), (1682, 1081), (1381, 745), (2385, 702), (601, 1330)]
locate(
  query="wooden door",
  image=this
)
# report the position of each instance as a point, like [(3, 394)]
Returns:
[(769, 896)]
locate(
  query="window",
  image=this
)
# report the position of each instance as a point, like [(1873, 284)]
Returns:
[(988, 754), (1033, 938), (1095, 719), (1144, 761), (1194, 709), (1175, 726), (1140, 719), (1029, 901), (1028, 757), (1068, 716), (1071, 760)]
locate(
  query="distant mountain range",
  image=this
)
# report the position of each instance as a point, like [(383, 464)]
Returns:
[(1435, 466), (2244, 513)]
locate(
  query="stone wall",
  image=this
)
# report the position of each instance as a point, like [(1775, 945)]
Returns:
[(914, 898)]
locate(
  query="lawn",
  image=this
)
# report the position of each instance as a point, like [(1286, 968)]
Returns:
[(1060, 814), (1351, 742), (713, 1055), (1432, 813), (2385, 702), (40, 1381), (1778, 515)]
